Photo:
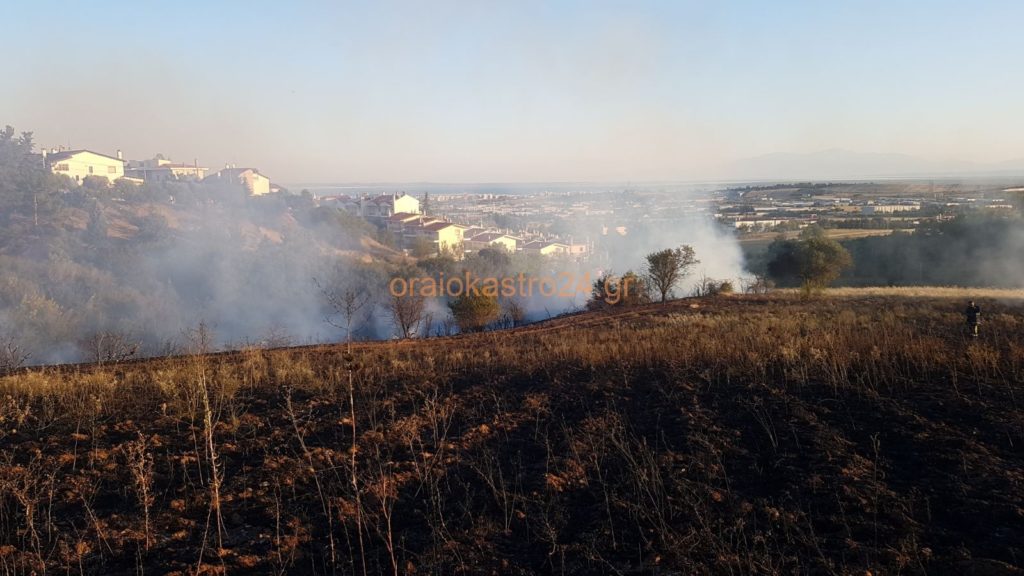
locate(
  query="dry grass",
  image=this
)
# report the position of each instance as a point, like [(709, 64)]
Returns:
[(734, 435), (964, 294)]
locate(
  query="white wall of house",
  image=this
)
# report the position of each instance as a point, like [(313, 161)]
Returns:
[(82, 164), (406, 203), (257, 183), (386, 206), (506, 242)]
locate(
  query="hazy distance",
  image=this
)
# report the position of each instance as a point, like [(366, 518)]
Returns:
[(525, 91)]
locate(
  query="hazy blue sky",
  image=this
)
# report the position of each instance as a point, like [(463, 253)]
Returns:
[(516, 90)]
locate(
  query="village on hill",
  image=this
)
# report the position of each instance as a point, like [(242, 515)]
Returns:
[(399, 213), (584, 223)]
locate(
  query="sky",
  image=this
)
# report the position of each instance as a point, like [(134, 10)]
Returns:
[(515, 91)]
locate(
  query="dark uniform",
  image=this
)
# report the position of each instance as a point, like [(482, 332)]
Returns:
[(973, 314)]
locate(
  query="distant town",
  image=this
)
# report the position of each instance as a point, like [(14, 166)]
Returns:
[(455, 224)]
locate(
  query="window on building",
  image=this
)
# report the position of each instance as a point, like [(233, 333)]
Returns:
[(90, 169), (62, 167), (111, 169)]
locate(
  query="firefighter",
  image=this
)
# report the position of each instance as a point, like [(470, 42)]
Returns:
[(973, 314)]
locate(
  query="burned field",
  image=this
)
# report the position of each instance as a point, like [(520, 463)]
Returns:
[(737, 435)]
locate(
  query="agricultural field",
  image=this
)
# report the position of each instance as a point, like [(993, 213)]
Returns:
[(763, 239), (860, 432)]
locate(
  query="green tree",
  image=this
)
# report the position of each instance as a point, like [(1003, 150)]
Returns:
[(782, 261), (28, 190), (438, 266), (822, 260), (668, 267), (814, 260), (96, 229), (611, 291), (493, 262), (153, 227), (633, 290), (474, 311), (422, 248), (98, 186)]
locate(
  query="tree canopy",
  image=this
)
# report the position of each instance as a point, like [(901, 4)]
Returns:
[(666, 268), (813, 260), (474, 311)]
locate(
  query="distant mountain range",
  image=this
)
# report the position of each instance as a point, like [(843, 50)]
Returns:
[(846, 164)]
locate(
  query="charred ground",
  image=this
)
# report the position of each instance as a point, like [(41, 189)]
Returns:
[(736, 435)]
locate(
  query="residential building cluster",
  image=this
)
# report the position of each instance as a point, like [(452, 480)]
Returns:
[(581, 221), (401, 215), (81, 164)]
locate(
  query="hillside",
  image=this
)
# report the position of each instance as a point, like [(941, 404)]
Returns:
[(854, 434), (144, 264), (262, 221)]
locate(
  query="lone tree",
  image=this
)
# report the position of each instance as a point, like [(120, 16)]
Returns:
[(350, 299), (407, 313), (108, 347), (822, 260), (667, 267), (813, 260), (12, 356), (349, 307), (407, 309), (474, 311)]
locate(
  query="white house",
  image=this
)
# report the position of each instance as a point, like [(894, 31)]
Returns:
[(483, 240), (257, 184), (386, 205), (341, 202), (399, 221), (162, 170), (446, 237), (545, 248), (79, 164)]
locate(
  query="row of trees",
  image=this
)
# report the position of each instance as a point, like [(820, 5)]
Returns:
[(971, 250), (663, 271), (363, 295), (411, 313), (974, 250), (812, 261)]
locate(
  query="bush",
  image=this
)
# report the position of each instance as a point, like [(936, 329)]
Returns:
[(711, 287), (609, 291)]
